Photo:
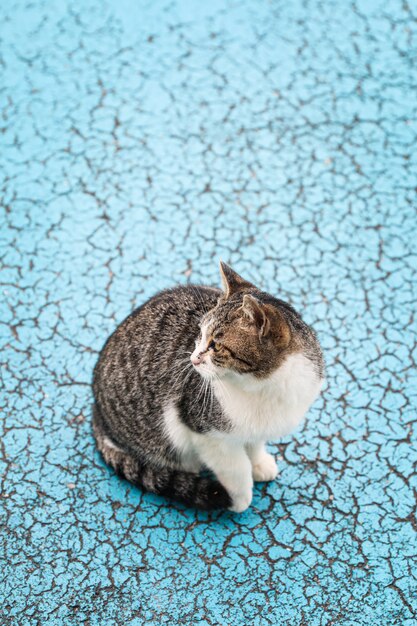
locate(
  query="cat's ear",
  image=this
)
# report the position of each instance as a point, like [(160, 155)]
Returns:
[(231, 281), (256, 313), (268, 320)]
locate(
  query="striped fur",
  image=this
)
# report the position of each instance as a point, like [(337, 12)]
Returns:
[(191, 489)]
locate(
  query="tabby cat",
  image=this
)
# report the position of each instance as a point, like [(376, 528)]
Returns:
[(199, 379)]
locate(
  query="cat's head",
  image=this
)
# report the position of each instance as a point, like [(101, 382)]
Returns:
[(245, 334)]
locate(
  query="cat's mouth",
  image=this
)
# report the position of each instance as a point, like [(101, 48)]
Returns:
[(205, 367)]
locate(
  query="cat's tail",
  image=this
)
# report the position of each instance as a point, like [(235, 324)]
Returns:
[(191, 489)]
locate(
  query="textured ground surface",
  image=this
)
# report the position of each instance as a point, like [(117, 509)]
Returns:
[(140, 143)]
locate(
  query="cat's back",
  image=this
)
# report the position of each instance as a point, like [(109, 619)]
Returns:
[(155, 332)]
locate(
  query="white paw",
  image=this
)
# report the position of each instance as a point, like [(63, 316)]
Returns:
[(241, 502), (265, 468)]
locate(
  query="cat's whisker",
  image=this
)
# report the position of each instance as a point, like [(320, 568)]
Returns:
[(200, 299), (212, 399), (202, 389), (181, 362), (184, 378), (180, 374), (221, 385), (208, 397)]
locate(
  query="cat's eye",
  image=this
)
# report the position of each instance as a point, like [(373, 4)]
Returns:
[(213, 346)]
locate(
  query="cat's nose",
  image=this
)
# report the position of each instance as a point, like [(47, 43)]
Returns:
[(197, 359)]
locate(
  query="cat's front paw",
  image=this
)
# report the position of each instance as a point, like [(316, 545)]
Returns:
[(241, 502), (265, 468)]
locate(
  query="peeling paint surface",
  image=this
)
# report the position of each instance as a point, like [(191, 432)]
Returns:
[(141, 142)]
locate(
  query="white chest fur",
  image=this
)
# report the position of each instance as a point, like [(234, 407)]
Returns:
[(269, 409)]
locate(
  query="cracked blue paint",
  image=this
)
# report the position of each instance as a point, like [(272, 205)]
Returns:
[(141, 142)]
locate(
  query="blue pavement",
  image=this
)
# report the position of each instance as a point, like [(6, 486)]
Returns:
[(141, 142)]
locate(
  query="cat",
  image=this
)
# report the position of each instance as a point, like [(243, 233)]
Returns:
[(199, 378)]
